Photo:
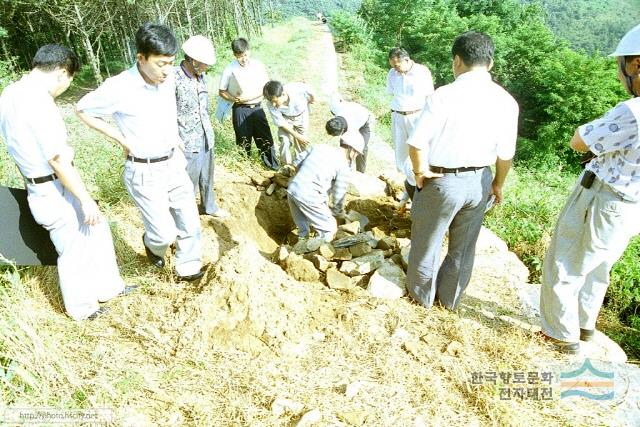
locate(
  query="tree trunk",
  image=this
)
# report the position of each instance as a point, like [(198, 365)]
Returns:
[(187, 11), (94, 61)]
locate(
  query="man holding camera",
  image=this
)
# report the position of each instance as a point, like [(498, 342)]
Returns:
[(600, 216)]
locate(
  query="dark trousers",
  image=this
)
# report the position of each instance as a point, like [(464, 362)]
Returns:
[(361, 159), (251, 123)]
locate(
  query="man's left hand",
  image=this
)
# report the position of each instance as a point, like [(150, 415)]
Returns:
[(422, 176), (496, 191)]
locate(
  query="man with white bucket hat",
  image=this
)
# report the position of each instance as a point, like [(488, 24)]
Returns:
[(194, 124), (600, 216)]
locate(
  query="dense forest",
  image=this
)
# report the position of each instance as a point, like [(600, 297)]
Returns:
[(102, 31), (279, 9), (591, 25)]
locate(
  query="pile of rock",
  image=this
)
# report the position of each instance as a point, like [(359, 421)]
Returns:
[(371, 259), (271, 182)]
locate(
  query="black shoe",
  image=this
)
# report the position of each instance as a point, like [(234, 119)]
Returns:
[(191, 278), (153, 258), (560, 346), (586, 334), (98, 313)]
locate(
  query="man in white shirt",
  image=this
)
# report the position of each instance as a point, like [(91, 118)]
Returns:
[(142, 102), (323, 173), (242, 82), (32, 127), (359, 120), (410, 84), (289, 108), (600, 216), (465, 127)]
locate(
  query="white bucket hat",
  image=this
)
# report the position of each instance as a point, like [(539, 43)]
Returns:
[(201, 49), (629, 44)]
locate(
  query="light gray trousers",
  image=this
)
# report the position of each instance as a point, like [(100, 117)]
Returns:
[(164, 195), (592, 232), (200, 167), (454, 202), (316, 215), (87, 267)]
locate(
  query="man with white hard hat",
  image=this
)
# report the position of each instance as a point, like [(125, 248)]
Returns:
[(323, 169), (194, 124), (600, 216)]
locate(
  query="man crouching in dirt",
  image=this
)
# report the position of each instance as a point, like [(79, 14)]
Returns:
[(322, 169)]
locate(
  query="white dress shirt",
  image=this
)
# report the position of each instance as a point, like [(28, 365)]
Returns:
[(355, 114), (411, 89), (299, 95), (243, 81), (145, 114), (467, 123), (32, 127)]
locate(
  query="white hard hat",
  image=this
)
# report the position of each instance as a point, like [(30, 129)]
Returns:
[(201, 49), (629, 44), (354, 140)]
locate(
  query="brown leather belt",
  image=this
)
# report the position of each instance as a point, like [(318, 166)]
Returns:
[(151, 160), (42, 179), (406, 113), (438, 169)]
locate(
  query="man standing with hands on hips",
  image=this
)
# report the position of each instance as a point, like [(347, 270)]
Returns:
[(142, 101), (465, 127)]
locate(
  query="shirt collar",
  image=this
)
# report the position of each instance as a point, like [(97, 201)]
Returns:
[(138, 79), (475, 75), (187, 73)]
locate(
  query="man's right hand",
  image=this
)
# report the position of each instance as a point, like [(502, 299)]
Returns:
[(91, 212)]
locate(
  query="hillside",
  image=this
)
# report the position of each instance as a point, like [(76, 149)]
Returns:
[(252, 345), (591, 25)]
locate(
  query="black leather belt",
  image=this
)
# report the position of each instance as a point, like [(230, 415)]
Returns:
[(246, 105), (153, 160), (438, 169), (406, 113), (42, 179)]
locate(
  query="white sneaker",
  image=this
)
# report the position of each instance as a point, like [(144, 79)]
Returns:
[(221, 214)]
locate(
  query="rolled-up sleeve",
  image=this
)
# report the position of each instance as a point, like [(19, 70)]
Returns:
[(429, 125), (101, 102), (276, 115), (506, 147), (50, 131), (225, 78), (616, 130)]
